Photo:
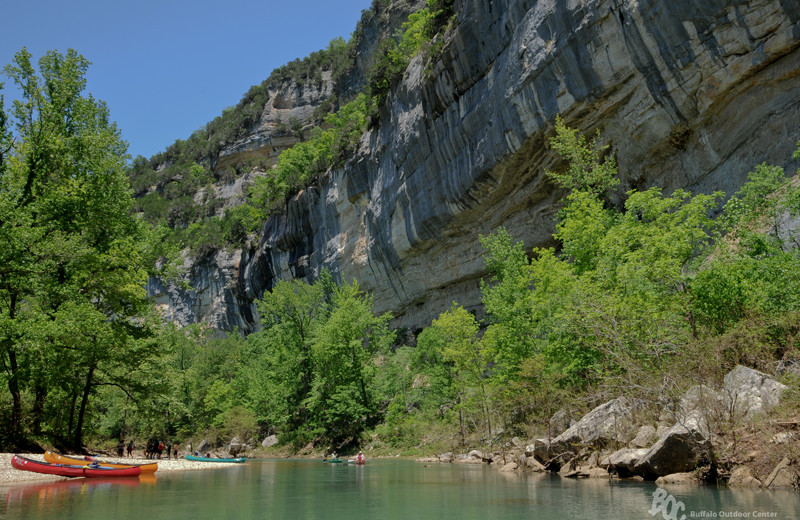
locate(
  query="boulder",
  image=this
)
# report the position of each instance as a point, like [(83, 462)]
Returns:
[(607, 424), (682, 448), (560, 421), (511, 466), (476, 454), (645, 437), (270, 441), (784, 476), (742, 476), (529, 463), (677, 478), (446, 457), (702, 399), (539, 449), (623, 461), (598, 473), (783, 438), (235, 446), (748, 391), (466, 459), (583, 471), (203, 446)]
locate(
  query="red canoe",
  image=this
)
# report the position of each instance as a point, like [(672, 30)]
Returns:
[(89, 470)]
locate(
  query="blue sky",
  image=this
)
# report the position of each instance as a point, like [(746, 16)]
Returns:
[(167, 67)]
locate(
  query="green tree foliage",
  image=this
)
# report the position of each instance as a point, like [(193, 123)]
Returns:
[(74, 261), (312, 370), (343, 396), (301, 164)]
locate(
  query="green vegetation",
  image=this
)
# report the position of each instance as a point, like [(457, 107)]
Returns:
[(643, 297), (74, 316)]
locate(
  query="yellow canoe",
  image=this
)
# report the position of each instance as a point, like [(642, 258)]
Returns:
[(56, 458)]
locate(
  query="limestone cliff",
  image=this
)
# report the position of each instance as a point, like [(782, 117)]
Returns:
[(689, 94)]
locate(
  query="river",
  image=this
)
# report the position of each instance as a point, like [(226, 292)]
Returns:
[(383, 489)]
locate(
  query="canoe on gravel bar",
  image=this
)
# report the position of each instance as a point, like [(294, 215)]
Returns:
[(56, 458), (209, 459), (90, 470)]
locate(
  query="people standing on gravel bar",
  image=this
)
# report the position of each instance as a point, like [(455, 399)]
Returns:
[(120, 447), (130, 448), (175, 450)]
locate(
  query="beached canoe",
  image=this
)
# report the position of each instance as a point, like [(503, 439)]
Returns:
[(56, 458), (90, 470), (209, 459)]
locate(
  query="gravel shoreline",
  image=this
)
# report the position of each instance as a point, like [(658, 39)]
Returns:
[(11, 475)]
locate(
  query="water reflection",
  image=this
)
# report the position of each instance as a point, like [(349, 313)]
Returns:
[(382, 489)]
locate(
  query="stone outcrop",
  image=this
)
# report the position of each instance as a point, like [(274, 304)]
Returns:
[(269, 441), (689, 95), (748, 391), (608, 424), (784, 476), (684, 447)]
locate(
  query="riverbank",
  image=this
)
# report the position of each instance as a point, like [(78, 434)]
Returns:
[(11, 475)]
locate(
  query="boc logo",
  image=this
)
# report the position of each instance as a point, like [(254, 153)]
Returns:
[(667, 505)]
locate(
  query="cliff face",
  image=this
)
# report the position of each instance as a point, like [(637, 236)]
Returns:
[(689, 94)]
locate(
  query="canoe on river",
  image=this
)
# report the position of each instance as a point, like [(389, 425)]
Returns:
[(209, 459), (56, 458), (91, 470)]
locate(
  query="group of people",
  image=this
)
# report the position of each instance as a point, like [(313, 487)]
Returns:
[(155, 449)]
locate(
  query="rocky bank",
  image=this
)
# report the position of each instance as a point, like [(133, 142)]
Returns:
[(690, 442)]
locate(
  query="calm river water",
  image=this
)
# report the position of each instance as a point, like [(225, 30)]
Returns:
[(383, 489)]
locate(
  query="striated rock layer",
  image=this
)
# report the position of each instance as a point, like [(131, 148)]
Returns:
[(689, 94)]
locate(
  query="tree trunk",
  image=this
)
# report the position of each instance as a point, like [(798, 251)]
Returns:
[(71, 414), (16, 396), (77, 440), (461, 421), (13, 379), (38, 408)]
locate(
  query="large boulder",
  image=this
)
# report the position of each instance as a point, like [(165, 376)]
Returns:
[(236, 446), (540, 449), (608, 424), (682, 448), (678, 478), (203, 446), (623, 461), (748, 391), (742, 476), (645, 437), (530, 463), (784, 476), (560, 421), (270, 441), (700, 399)]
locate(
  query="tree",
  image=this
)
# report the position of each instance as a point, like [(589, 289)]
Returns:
[(74, 258), (453, 341), (282, 374), (343, 398)]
